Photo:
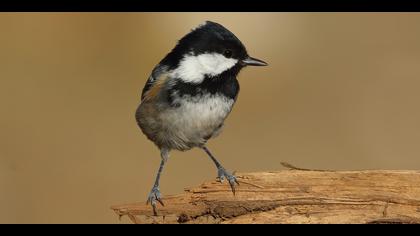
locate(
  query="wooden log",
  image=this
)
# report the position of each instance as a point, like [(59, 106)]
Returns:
[(293, 196)]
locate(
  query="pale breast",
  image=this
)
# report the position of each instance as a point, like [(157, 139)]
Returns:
[(196, 119)]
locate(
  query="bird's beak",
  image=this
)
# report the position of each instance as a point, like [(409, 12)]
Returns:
[(250, 61)]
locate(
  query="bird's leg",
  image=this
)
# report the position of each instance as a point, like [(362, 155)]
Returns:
[(155, 195), (222, 173)]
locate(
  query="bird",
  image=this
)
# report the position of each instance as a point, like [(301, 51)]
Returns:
[(190, 93)]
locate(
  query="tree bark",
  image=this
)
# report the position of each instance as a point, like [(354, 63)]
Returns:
[(293, 196)]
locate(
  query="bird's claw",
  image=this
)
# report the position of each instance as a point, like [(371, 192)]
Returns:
[(224, 174), (154, 198)]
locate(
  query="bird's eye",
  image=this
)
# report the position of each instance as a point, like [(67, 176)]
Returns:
[(227, 53)]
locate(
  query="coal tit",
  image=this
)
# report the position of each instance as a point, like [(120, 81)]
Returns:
[(190, 93)]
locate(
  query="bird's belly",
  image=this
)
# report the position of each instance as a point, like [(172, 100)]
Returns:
[(196, 119)]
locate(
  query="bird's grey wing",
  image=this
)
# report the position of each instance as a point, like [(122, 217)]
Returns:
[(155, 82)]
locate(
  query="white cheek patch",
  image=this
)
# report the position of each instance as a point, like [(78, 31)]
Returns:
[(215, 63), (193, 68)]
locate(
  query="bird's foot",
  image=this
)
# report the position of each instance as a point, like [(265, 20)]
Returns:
[(154, 198), (224, 174)]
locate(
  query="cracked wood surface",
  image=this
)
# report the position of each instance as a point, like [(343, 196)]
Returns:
[(293, 196)]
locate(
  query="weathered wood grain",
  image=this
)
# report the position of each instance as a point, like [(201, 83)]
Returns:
[(293, 196)]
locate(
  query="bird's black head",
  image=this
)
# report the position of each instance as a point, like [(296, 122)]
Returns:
[(208, 50), (212, 37)]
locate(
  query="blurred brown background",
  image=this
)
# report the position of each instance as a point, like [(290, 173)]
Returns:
[(341, 92)]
